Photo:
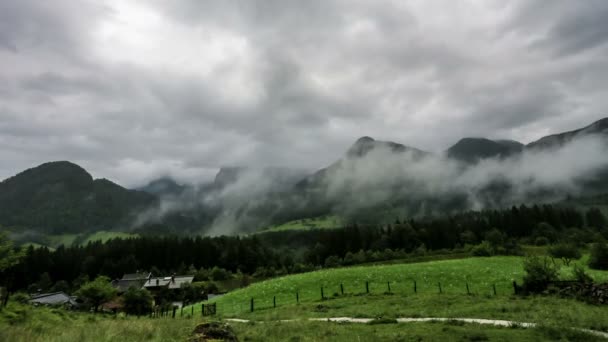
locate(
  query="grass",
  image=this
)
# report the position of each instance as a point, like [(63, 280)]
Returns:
[(554, 315), (54, 241), (480, 273), (22, 323), (104, 236), (433, 331), (322, 222), (63, 239)]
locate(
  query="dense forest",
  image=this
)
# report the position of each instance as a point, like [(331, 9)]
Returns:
[(491, 232)]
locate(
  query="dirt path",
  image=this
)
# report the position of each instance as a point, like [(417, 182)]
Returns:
[(496, 322)]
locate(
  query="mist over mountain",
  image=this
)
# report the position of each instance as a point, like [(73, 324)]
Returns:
[(373, 181)]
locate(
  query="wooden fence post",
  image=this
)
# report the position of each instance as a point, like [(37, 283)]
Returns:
[(202, 309), (439, 284), (322, 294), (192, 313), (468, 292), (514, 287), (494, 288), (274, 301), (342, 288), (174, 309), (367, 287), (388, 284), (415, 287), (298, 297)]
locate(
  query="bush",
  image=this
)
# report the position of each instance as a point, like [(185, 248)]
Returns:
[(599, 256), (483, 249), (21, 297), (541, 241), (332, 261), (218, 273), (539, 272), (581, 276), (566, 252), (137, 301)]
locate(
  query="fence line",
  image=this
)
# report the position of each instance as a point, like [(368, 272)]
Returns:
[(409, 287)]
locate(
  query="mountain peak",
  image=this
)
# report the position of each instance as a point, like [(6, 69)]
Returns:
[(599, 127), (474, 149)]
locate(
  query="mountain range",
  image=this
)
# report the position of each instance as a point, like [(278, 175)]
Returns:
[(373, 176)]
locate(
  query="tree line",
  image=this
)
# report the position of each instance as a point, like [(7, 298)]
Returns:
[(491, 231)]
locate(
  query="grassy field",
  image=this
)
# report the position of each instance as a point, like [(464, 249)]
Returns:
[(54, 241), (322, 222), (63, 239), (481, 274), (20, 323), (447, 331), (23, 323), (104, 236)]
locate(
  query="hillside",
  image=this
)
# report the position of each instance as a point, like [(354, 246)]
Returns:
[(61, 197), (373, 181), (471, 150), (598, 128)]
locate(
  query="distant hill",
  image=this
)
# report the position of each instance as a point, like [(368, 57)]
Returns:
[(372, 180), (598, 128), (471, 150), (61, 197), (163, 186), (359, 150)]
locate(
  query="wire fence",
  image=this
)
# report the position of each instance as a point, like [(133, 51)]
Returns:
[(326, 292)]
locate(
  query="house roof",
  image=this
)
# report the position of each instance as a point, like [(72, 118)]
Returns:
[(123, 285), (136, 276), (170, 282), (55, 298)]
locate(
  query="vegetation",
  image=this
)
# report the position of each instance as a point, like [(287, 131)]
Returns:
[(295, 251), (61, 197), (104, 236), (23, 323), (9, 257), (565, 251), (539, 273), (480, 274), (432, 331), (322, 222), (137, 301), (599, 256), (97, 292)]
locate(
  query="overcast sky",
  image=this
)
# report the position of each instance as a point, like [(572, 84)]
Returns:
[(132, 90)]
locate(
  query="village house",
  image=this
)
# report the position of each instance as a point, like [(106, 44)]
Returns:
[(53, 299), (173, 282), (136, 280)]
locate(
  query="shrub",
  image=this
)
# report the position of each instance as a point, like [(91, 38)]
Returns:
[(483, 249), (21, 297), (541, 241), (539, 272), (581, 276), (599, 256), (218, 273), (332, 261), (564, 251), (137, 301)]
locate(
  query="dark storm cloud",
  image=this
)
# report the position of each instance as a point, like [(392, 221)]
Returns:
[(134, 90)]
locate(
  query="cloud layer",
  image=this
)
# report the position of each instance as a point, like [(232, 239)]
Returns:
[(139, 89)]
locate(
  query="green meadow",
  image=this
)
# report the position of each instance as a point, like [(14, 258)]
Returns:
[(322, 222), (414, 292)]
